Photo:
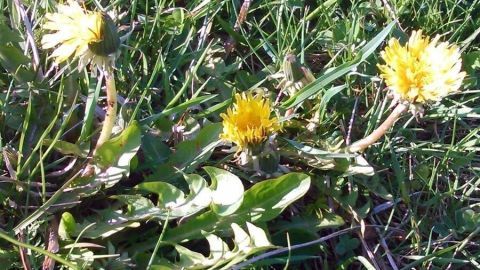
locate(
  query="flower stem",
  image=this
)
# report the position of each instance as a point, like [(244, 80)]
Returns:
[(111, 114), (380, 131)]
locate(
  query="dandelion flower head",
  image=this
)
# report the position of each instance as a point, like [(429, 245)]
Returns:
[(89, 36), (423, 70), (248, 122)]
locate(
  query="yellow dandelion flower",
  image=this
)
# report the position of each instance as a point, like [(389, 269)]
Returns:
[(423, 70), (89, 36), (248, 123)]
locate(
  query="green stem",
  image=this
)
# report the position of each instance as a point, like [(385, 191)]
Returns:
[(111, 114), (37, 249), (380, 131), (157, 246)]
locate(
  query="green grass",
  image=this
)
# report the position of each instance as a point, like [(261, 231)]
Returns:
[(174, 76)]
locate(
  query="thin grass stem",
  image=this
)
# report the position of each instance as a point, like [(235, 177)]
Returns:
[(42, 251)]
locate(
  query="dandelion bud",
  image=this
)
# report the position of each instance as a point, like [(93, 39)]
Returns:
[(297, 76)]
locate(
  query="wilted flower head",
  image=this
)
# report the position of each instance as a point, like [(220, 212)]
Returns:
[(89, 36), (423, 70), (248, 123)]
